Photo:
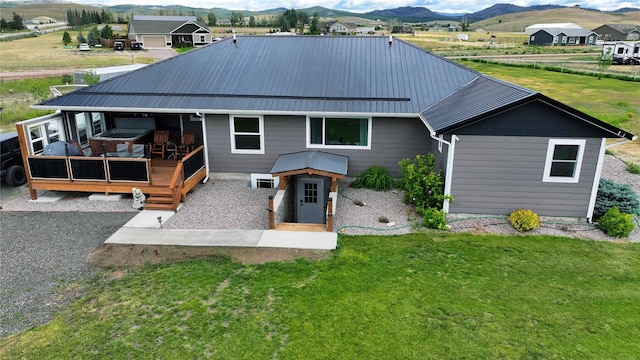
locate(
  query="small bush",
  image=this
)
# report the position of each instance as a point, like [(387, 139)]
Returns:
[(621, 196), (633, 168), (376, 178), (423, 186), (433, 218), (524, 220), (616, 223)]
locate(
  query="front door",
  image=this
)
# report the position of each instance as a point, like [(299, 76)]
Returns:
[(310, 201)]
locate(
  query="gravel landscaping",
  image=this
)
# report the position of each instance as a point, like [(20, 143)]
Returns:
[(43, 261), (44, 245)]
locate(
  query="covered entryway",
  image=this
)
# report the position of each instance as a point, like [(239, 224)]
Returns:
[(308, 188)]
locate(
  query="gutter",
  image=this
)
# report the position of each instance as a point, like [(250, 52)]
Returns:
[(204, 142), (450, 153)]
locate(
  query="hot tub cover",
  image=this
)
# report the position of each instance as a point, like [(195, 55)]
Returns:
[(316, 160)]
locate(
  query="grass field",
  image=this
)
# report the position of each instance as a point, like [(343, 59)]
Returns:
[(614, 101), (420, 296)]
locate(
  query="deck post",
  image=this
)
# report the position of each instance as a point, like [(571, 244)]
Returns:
[(272, 220), (330, 214)]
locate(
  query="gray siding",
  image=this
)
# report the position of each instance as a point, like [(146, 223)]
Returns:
[(496, 175), (392, 140)]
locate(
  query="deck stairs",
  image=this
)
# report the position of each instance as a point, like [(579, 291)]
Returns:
[(160, 200)]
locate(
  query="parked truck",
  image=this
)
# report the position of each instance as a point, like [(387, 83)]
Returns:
[(623, 52)]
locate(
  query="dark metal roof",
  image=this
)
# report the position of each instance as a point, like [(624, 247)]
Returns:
[(160, 26), (284, 74), (315, 160), (478, 97)]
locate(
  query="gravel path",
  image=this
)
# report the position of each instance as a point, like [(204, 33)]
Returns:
[(43, 261)]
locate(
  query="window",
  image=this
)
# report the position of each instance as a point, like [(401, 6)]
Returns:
[(44, 133), (339, 133), (533, 38), (564, 159), (97, 123), (247, 134), (201, 38)]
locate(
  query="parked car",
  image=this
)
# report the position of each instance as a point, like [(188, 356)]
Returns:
[(84, 47), (11, 166), (118, 46), (136, 46)]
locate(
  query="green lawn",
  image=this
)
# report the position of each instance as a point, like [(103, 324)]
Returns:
[(416, 296), (614, 101)]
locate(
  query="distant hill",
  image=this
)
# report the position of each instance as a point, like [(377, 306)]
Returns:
[(405, 14), (499, 17), (503, 9)]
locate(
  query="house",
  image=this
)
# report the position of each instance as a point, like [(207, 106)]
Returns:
[(556, 37), (339, 27), (618, 32), (157, 32), (310, 110), (529, 30)]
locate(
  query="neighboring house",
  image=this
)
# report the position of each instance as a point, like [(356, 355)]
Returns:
[(345, 103), (340, 27), (157, 32), (618, 32), (363, 30), (529, 30), (556, 37)]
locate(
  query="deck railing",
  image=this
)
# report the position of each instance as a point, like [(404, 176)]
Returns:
[(80, 168)]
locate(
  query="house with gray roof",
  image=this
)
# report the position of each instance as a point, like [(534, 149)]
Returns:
[(344, 103), (563, 36), (618, 32), (158, 32)]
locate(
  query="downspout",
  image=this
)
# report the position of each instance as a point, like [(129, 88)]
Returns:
[(204, 142), (449, 171)]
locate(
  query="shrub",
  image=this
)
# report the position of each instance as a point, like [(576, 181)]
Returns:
[(616, 223), (433, 218), (524, 220), (621, 196), (422, 185), (376, 178), (633, 168)]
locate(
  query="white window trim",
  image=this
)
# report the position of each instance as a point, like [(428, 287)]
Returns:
[(232, 134), (346, 147), (42, 127), (550, 150)]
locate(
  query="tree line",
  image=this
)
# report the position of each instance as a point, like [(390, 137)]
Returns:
[(287, 21), (17, 23)]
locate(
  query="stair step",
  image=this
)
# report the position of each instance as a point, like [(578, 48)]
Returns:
[(157, 206), (160, 199)]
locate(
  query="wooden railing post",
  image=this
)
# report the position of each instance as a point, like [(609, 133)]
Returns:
[(272, 219), (330, 214)]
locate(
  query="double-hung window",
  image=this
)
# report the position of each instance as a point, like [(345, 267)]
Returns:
[(339, 133), (247, 134), (564, 160)]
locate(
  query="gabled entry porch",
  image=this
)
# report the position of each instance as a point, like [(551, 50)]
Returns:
[(306, 199)]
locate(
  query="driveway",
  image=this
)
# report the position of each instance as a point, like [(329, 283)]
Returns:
[(43, 258)]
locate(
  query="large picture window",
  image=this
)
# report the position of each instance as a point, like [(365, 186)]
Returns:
[(341, 133), (45, 133), (247, 134), (564, 160)]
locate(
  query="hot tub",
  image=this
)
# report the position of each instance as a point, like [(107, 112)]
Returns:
[(108, 140)]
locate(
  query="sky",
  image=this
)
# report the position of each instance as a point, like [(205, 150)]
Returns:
[(362, 6)]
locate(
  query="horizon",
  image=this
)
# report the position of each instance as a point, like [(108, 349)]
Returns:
[(362, 6)]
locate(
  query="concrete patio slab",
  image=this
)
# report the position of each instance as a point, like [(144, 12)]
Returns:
[(299, 240), (149, 218), (50, 196), (145, 236)]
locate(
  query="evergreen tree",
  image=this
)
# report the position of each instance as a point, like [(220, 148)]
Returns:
[(211, 19), (81, 38), (93, 36), (314, 27), (106, 32), (66, 38), (252, 21)]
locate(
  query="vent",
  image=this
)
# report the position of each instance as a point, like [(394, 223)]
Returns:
[(264, 181)]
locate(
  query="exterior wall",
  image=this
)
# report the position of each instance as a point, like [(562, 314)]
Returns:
[(608, 34), (392, 140), (541, 38), (499, 174)]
